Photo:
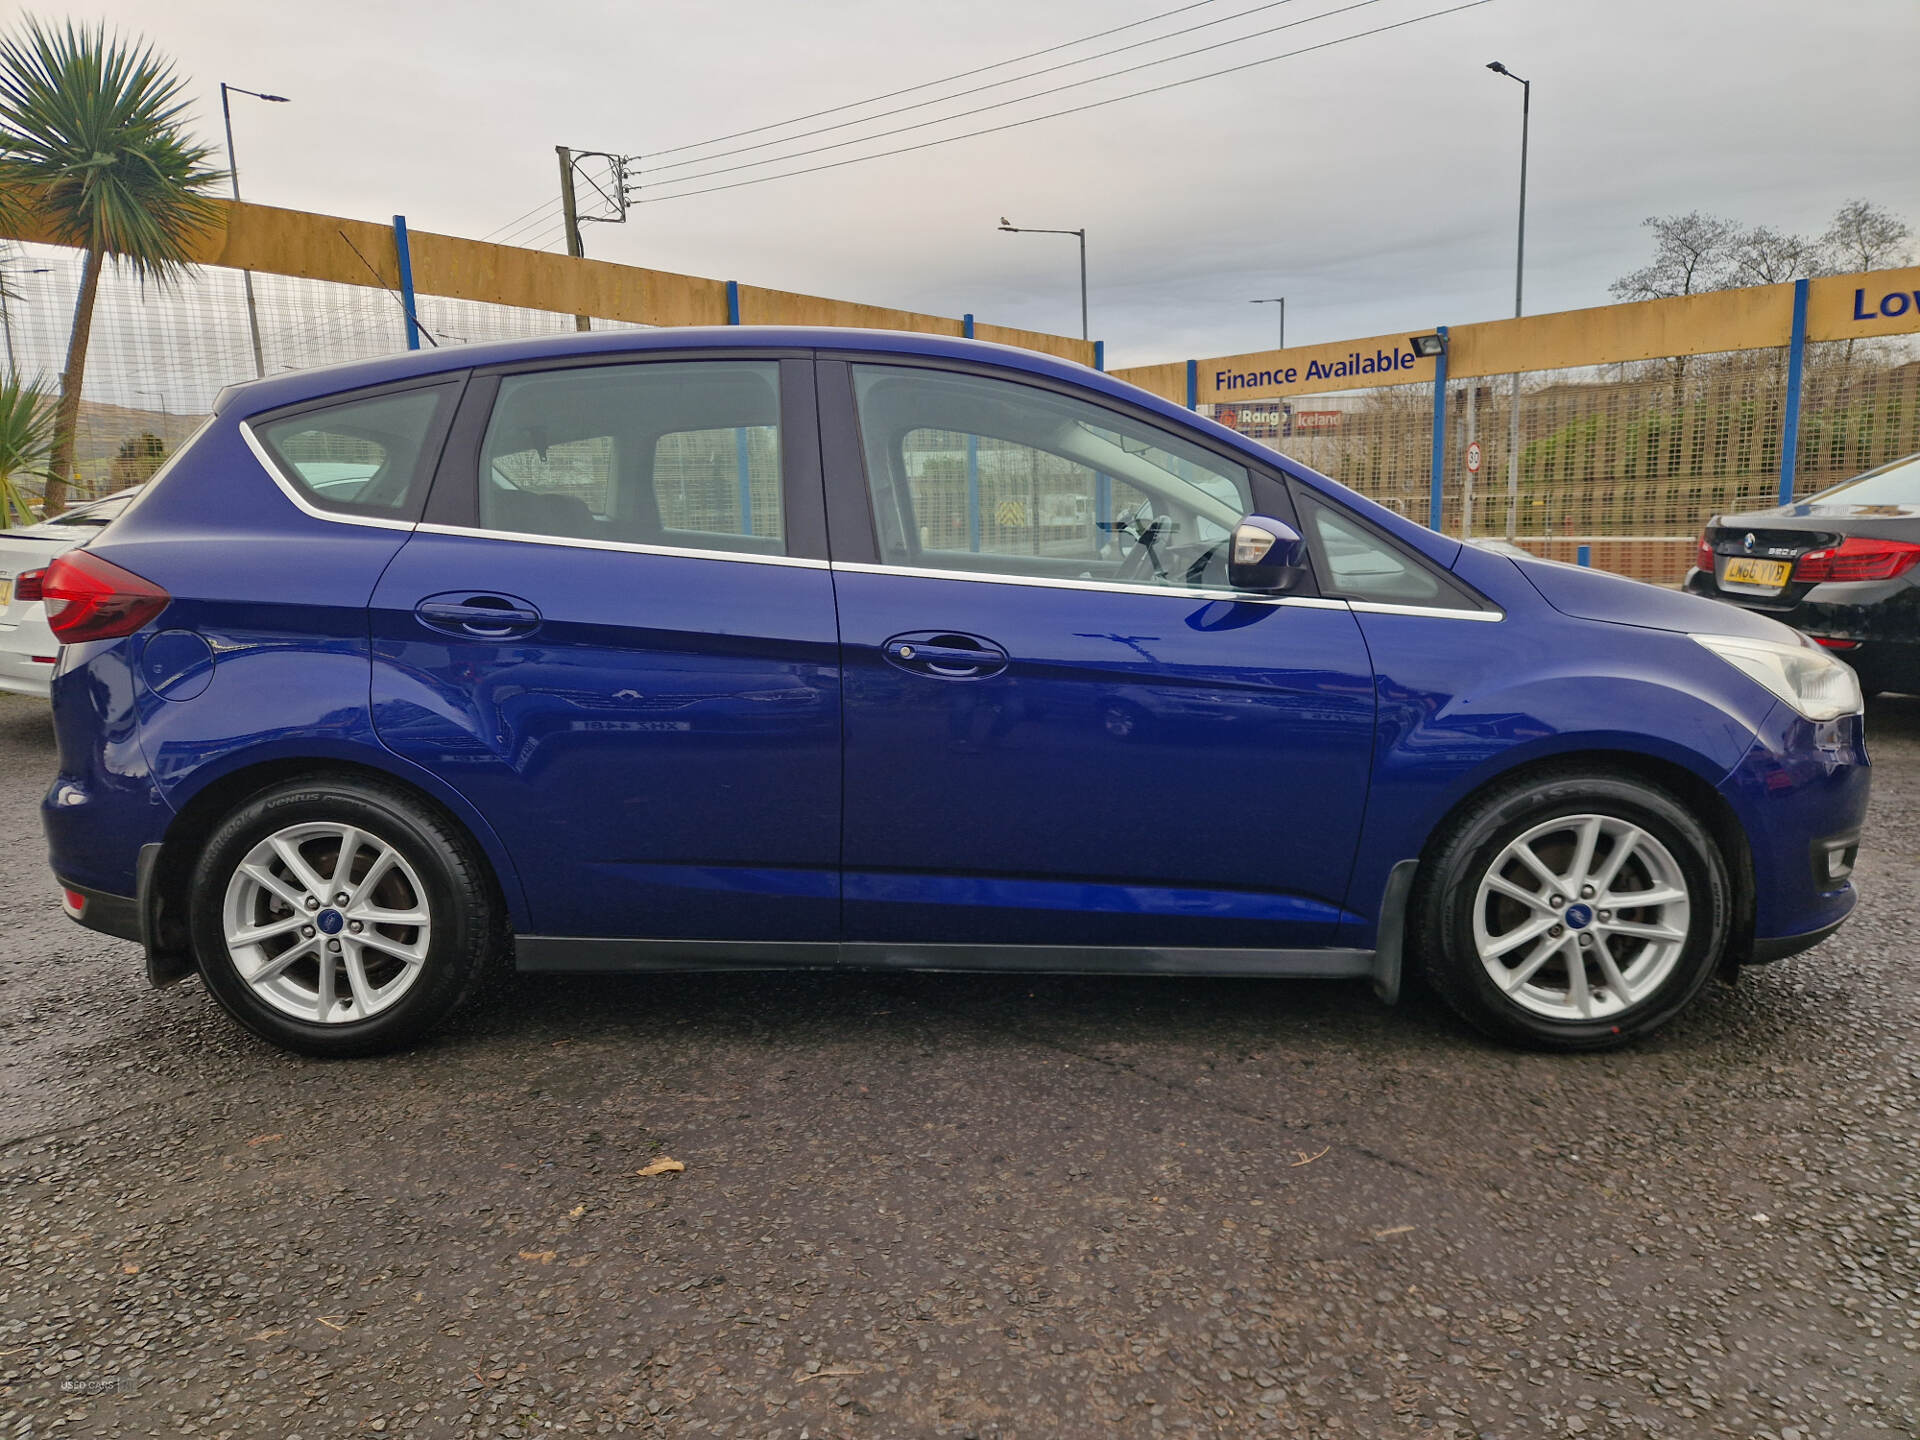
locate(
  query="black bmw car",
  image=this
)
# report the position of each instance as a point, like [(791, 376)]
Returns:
[(1840, 567)]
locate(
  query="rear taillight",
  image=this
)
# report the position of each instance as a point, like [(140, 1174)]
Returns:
[(1703, 553), (93, 599), (28, 585), (1857, 558)]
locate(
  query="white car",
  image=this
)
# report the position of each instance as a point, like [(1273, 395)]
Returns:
[(27, 647)]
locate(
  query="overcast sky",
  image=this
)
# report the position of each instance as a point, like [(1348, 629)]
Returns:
[(1372, 183)]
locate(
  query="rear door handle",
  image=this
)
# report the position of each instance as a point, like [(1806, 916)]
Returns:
[(945, 655), (484, 616)]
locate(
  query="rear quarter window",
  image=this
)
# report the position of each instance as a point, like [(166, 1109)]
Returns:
[(362, 455)]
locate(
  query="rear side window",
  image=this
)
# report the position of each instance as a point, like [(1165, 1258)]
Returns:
[(684, 454), (366, 456)]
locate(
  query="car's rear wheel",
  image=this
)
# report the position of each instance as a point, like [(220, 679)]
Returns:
[(339, 916), (1572, 911)]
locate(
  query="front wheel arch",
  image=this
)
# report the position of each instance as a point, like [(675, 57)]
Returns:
[(1706, 802)]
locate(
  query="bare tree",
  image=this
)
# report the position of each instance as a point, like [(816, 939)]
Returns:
[(1765, 256), (1691, 253), (1865, 236)]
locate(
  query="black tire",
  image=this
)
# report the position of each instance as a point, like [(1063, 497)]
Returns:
[(1448, 888), (464, 938)]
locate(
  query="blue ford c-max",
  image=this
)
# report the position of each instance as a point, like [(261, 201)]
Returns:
[(699, 649)]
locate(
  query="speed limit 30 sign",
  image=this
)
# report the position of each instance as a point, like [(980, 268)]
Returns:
[(1473, 457)]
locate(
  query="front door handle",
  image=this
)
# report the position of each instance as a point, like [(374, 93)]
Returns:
[(483, 616), (945, 655)]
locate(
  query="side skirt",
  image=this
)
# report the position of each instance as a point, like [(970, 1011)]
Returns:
[(553, 953)]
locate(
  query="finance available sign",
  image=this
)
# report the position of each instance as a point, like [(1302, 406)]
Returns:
[(1305, 370)]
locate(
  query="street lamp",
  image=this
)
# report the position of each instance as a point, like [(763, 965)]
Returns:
[(233, 172), (1013, 229), (165, 413), (1281, 301), (1519, 277)]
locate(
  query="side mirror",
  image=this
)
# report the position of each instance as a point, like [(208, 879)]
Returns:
[(1266, 555)]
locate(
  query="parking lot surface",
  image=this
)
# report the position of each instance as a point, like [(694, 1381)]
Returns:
[(981, 1206)]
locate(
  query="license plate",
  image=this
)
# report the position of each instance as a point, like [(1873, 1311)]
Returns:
[(6, 591), (1773, 573)]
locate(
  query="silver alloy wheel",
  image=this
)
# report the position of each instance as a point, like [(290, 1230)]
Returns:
[(327, 922), (1581, 917)]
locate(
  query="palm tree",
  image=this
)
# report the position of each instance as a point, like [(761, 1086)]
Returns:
[(26, 425), (91, 138)]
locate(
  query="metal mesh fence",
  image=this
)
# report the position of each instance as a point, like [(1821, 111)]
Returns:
[(157, 357), (1628, 460), (1625, 459)]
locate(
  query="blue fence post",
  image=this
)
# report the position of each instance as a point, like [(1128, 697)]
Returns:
[(973, 493), (1439, 431), (1100, 355), (1790, 423), (1583, 555), (739, 431), (1193, 384), (973, 466), (404, 253)]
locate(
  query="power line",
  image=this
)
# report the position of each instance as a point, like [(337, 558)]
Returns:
[(928, 84), (550, 216), (1022, 99), (1073, 109), (975, 90), (513, 223)]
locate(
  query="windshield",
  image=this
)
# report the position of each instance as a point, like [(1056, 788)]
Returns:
[(1895, 484)]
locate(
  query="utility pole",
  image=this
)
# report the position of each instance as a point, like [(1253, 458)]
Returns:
[(571, 213)]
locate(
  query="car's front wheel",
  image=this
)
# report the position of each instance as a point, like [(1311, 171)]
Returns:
[(340, 916), (1572, 911)]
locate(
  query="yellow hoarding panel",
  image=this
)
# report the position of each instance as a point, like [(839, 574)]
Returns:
[(1745, 319), (1839, 307), (1169, 382), (1062, 347), (1853, 307), (272, 241)]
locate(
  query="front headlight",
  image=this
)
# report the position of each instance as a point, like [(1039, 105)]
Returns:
[(1805, 676)]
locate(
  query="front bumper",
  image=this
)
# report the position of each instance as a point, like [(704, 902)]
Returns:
[(1801, 797), (1765, 952)]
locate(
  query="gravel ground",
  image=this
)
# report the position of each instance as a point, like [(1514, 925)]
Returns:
[(919, 1206)]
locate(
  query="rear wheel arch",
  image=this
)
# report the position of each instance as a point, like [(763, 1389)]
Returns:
[(202, 813)]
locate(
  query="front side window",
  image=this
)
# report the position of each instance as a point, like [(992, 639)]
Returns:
[(683, 454), (366, 456), (1358, 565), (970, 473)]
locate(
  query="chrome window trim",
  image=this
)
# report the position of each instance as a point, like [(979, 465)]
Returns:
[(1110, 587), (300, 502), (631, 547), (1432, 612)]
